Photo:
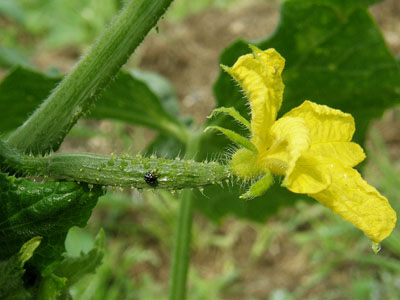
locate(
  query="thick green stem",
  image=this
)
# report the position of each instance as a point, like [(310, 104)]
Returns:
[(49, 124), (181, 255), (137, 172)]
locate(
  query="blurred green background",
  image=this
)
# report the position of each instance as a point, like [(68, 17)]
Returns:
[(303, 252)]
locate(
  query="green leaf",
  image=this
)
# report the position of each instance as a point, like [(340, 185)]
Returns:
[(127, 99), (131, 100), (10, 57), (342, 7), (160, 86), (165, 146), (75, 268), (21, 92), (12, 270), (216, 202), (50, 287), (46, 209), (79, 240), (168, 146), (335, 55)]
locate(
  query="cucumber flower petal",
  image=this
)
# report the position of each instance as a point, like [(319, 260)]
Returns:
[(310, 146), (356, 201), (263, 86)]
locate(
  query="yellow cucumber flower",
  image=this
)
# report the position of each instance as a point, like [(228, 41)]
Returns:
[(310, 146)]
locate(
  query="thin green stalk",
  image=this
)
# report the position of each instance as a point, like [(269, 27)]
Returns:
[(181, 254), (49, 124)]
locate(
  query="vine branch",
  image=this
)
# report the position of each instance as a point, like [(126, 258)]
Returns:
[(71, 99)]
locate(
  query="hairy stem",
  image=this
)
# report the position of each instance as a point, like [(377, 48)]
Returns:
[(49, 124), (181, 255), (137, 172)]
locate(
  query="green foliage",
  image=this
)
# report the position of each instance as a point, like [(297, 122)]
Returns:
[(119, 259), (11, 56), (165, 146), (65, 22), (75, 268), (183, 8), (49, 210), (47, 127), (21, 92), (127, 99), (46, 209), (323, 64), (12, 269), (54, 281), (12, 10), (342, 7), (128, 251), (50, 287), (131, 100), (335, 55), (161, 87)]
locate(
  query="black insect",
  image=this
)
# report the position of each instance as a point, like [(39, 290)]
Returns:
[(151, 177)]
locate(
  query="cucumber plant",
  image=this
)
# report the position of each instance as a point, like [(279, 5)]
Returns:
[(44, 193), (45, 210)]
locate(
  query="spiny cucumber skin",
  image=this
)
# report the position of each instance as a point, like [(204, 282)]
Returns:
[(104, 170), (113, 170)]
